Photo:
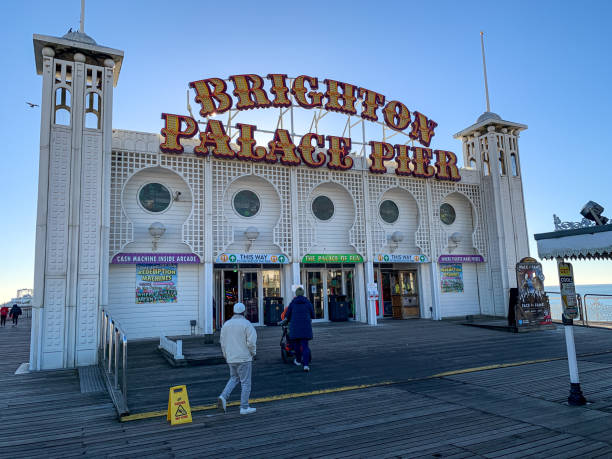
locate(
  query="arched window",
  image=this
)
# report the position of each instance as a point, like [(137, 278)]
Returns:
[(62, 106), (502, 163), (486, 169), (514, 165), (472, 163), (92, 110)]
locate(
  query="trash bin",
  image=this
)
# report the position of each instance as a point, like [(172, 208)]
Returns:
[(338, 308), (273, 308)]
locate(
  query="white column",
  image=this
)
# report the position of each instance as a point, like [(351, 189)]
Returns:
[(205, 314), (367, 272), (77, 114), (209, 253), (40, 262), (435, 290)]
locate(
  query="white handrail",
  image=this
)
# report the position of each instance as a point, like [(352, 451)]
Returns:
[(112, 337)]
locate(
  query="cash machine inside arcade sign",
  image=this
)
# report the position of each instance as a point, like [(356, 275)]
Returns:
[(213, 96)]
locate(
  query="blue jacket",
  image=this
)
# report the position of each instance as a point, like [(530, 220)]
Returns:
[(300, 314)]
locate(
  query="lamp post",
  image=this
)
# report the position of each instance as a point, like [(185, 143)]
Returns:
[(156, 230), (251, 233)]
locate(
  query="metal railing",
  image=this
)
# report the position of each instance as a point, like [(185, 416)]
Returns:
[(113, 360), (600, 313)]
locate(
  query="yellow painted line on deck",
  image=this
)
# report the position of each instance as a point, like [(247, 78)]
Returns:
[(274, 398)]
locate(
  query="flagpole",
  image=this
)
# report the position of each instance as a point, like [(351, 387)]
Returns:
[(82, 26), (484, 68)]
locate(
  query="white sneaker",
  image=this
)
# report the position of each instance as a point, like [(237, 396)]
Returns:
[(248, 410), (306, 368), (295, 362), (222, 404)]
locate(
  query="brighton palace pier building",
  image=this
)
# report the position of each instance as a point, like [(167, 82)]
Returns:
[(165, 231)]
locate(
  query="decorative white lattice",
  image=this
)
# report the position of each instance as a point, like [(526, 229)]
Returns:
[(439, 191), (192, 171), (124, 164), (224, 173), (308, 179), (379, 185), (279, 177)]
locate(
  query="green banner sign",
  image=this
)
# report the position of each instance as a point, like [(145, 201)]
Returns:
[(332, 258)]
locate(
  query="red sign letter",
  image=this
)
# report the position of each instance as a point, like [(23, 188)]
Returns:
[(446, 166), (338, 152), (422, 129), (172, 132), (206, 97), (381, 152), (299, 91), (247, 87), (334, 96), (306, 149)]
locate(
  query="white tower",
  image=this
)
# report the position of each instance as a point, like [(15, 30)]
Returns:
[(72, 225), (491, 147)]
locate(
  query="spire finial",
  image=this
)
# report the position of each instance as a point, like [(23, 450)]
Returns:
[(82, 26), (484, 68)]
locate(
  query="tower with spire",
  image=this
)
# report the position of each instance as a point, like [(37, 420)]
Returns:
[(72, 224), (491, 147)]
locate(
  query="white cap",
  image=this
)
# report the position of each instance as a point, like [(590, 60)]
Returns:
[(239, 308)]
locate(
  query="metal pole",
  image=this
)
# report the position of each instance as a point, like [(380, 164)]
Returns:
[(110, 345), (82, 25), (116, 337), (124, 370), (103, 331), (575, 397), (484, 68)]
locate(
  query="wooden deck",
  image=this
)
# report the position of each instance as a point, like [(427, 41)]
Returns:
[(515, 411)]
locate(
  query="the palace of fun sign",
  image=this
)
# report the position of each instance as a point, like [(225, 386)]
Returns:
[(213, 96)]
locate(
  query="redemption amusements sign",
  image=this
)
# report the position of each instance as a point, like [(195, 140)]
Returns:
[(532, 308), (156, 284), (213, 96)]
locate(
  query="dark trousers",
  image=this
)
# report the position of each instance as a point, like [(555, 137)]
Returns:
[(3, 321), (302, 351), (15, 319)]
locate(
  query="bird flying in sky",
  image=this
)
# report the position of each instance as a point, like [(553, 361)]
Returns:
[(32, 105)]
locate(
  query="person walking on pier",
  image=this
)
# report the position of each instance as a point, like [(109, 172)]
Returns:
[(300, 314), (3, 313), (239, 345), (15, 313)]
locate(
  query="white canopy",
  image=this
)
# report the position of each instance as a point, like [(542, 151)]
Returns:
[(594, 242)]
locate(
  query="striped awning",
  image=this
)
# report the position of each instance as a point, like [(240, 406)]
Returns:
[(592, 243)]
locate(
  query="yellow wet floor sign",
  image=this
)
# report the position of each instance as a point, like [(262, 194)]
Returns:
[(179, 411)]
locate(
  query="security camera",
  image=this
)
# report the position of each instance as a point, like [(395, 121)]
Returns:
[(593, 211)]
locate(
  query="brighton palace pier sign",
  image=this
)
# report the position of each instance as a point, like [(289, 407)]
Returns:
[(212, 94)]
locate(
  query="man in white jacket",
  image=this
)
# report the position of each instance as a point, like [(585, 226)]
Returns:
[(239, 344)]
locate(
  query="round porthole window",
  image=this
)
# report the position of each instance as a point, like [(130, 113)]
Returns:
[(246, 203), (388, 211), (447, 214), (322, 207), (154, 197)]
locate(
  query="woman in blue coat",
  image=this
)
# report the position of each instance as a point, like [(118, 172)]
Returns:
[(300, 314)]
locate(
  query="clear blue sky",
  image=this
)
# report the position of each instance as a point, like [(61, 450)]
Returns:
[(548, 65)]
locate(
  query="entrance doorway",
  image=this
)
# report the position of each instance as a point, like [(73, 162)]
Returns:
[(324, 286), (399, 295), (251, 286)]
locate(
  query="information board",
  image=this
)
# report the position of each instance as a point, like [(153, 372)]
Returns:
[(156, 283), (451, 278), (532, 308), (568, 290)]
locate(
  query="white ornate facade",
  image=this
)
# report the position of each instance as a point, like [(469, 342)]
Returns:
[(90, 212)]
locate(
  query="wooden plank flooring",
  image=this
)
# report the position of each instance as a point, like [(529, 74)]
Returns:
[(505, 412)]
